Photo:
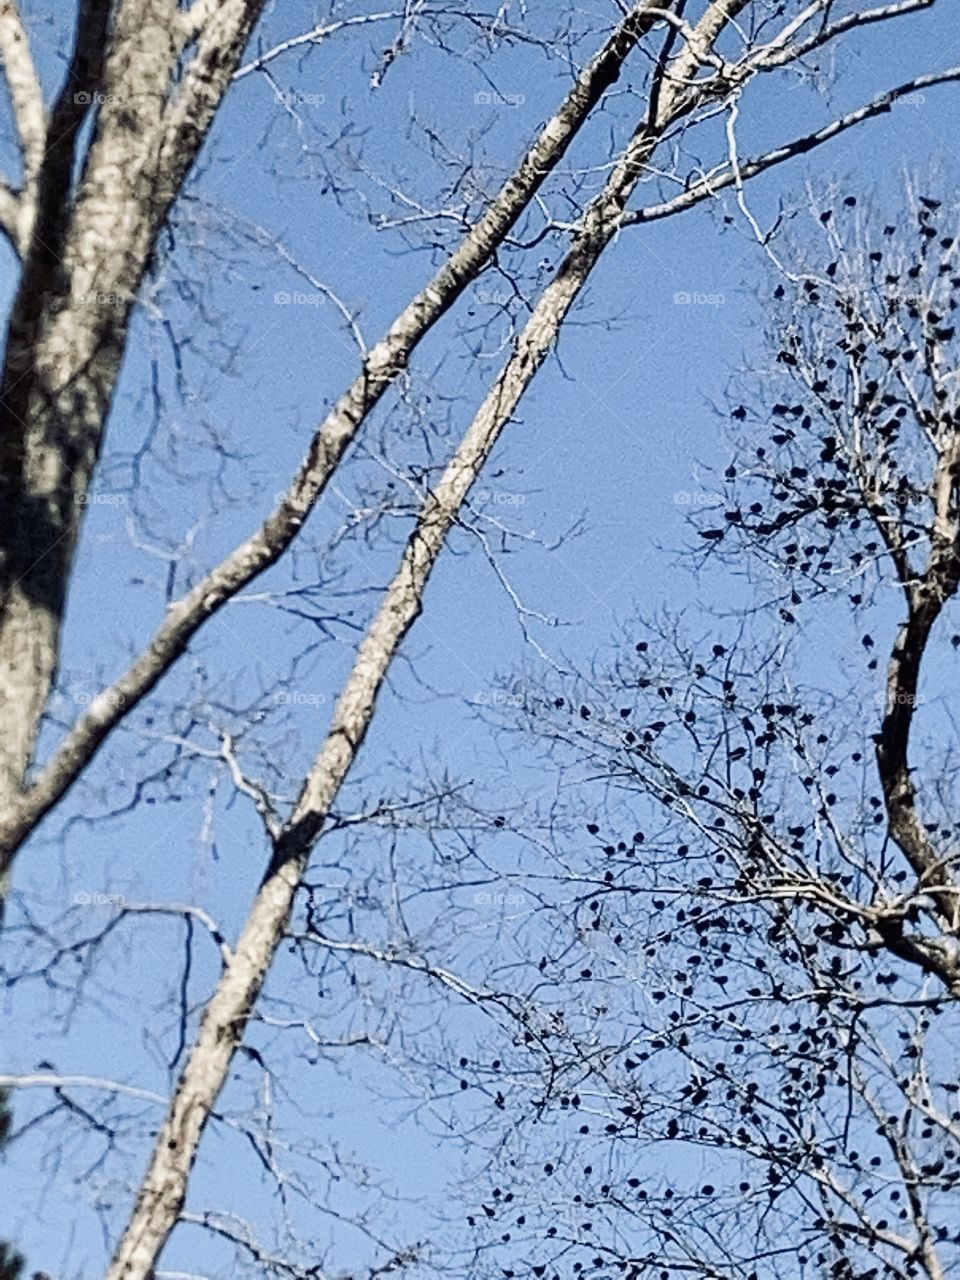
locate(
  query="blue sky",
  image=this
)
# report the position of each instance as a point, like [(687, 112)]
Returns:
[(613, 431)]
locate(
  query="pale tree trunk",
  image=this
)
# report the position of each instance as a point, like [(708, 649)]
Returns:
[(28, 657), (163, 1191), (26, 97), (86, 247)]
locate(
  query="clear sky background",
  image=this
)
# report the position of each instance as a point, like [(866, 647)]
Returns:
[(617, 427)]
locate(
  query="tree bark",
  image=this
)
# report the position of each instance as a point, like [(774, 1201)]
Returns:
[(89, 248), (28, 657), (163, 1192)]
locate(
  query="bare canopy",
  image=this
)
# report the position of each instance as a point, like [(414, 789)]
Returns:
[(101, 171)]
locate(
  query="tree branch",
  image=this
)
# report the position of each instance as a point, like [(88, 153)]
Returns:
[(163, 1190), (727, 175), (383, 364), (26, 97)]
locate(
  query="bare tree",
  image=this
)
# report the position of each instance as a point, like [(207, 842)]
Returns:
[(100, 178), (751, 969)]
